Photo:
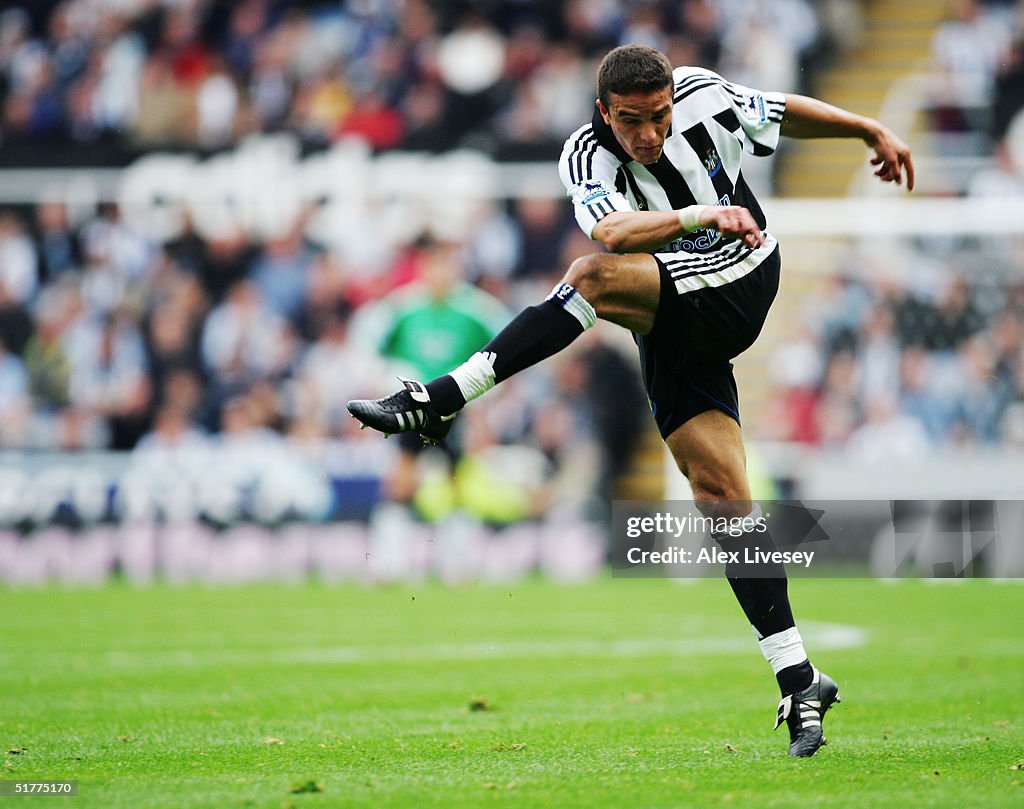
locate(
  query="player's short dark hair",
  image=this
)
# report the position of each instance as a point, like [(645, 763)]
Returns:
[(633, 68)]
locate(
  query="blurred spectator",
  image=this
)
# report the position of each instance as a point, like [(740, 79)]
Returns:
[(576, 469), (217, 103), (223, 260), (700, 29), (432, 325), (786, 30), (321, 105), (1004, 179), (165, 112), (269, 88), (245, 441), (46, 354), (19, 262), (1008, 93), (543, 222), (936, 412), (425, 119), (109, 375), (594, 24), (249, 21), (374, 120), (58, 249), (334, 370), (117, 65), (15, 405), (842, 23), (244, 340), (758, 57), (878, 356), (643, 25), (173, 330), (968, 50), (494, 250), (281, 273), (16, 325), (606, 421), (116, 259), (979, 400), (797, 369), (945, 325), (175, 445), (887, 433), (564, 88)]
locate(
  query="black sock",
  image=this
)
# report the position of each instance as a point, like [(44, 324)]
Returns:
[(765, 601), (795, 678), (534, 334), (445, 396)]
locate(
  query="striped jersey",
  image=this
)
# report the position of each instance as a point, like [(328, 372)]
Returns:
[(713, 123)]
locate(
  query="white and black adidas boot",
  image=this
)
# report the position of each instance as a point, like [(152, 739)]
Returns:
[(804, 712), (407, 411)]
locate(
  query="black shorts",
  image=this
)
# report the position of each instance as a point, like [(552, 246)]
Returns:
[(686, 357)]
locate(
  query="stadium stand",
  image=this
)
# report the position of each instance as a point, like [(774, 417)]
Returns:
[(111, 338)]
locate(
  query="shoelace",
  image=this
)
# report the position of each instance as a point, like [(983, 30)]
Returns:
[(396, 402)]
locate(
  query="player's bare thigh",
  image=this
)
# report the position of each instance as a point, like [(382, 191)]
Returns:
[(708, 449), (623, 288)]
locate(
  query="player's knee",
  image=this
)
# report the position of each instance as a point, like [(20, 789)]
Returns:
[(589, 276), (720, 495)]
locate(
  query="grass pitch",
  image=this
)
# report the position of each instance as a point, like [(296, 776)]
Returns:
[(609, 694)]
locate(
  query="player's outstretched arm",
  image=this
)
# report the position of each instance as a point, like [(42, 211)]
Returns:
[(810, 118), (637, 231), (643, 231)]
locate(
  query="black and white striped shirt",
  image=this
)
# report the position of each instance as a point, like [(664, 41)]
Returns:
[(713, 122)]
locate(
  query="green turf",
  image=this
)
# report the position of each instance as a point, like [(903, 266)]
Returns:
[(609, 694)]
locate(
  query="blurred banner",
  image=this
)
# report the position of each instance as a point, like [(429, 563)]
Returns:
[(205, 517), (86, 519)]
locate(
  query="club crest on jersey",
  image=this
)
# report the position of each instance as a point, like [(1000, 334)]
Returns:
[(591, 191), (712, 162), (754, 108)]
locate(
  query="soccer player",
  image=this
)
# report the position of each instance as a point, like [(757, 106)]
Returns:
[(656, 177)]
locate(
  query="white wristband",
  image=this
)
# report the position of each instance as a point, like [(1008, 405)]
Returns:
[(689, 217)]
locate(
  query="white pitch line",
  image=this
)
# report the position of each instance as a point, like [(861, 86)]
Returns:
[(817, 635)]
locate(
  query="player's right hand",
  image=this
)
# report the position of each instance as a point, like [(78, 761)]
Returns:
[(733, 222), (892, 157)]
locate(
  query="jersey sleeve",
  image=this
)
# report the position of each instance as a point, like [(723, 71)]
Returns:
[(588, 173), (760, 115)]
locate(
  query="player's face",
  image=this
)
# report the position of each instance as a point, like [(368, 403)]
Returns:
[(640, 122)]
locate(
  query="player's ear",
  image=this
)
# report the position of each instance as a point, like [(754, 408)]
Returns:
[(604, 112)]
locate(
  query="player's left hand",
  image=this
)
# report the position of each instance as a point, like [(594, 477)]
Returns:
[(733, 222), (892, 156)]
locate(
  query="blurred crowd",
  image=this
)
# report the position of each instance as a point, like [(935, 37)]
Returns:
[(111, 340), (904, 351), (413, 74), (978, 56), (916, 345)]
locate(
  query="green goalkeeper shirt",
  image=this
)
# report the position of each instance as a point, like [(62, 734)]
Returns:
[(435, 336)]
